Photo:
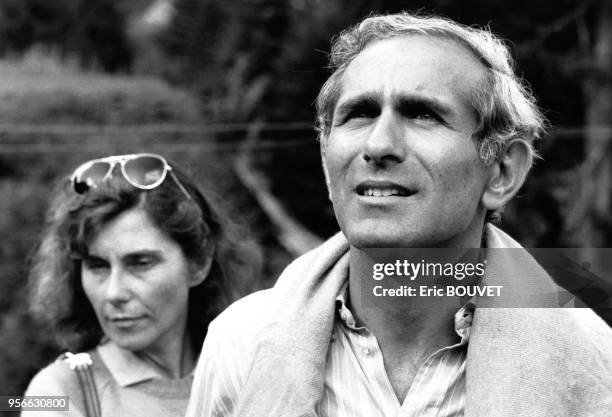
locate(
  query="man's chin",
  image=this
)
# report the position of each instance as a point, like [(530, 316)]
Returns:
[(363, 240)]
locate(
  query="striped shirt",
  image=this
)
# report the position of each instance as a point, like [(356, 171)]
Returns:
[(356, 383)]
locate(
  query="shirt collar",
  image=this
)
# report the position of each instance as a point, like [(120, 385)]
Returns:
[(463, 317), (125, 366), (343, 311)]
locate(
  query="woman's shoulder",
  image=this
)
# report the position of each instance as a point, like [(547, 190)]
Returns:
[(54, 379), (58, 378)]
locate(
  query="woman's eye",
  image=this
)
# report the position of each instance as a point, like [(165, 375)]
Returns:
[(95, 264), (142, 262)]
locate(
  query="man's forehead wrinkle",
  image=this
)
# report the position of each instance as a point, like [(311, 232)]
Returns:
[(449, 71)]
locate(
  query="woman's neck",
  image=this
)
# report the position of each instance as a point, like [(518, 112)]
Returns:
[(174, 360)]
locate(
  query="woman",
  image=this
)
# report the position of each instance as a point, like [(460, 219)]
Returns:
[(133, 265)]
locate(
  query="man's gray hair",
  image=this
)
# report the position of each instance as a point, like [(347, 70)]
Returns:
[(506, 109)]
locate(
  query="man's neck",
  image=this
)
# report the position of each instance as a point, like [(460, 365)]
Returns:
[(397, 320), (408, 330), (405, 319)]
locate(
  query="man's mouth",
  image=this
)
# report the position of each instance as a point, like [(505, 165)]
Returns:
[(383, 189)]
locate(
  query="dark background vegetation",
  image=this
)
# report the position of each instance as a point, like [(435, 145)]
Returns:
[(226, 87)]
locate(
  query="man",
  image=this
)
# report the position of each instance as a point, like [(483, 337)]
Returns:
[(425, 134)]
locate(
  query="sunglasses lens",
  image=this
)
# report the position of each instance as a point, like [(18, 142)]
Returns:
[(91, 177), (145, 171)]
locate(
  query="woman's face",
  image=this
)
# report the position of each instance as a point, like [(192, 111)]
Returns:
[(137, 280)]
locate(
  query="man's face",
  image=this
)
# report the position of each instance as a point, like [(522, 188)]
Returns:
[(403, 168)]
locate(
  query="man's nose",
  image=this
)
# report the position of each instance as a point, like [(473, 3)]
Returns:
[(117, 289), (386, 142)]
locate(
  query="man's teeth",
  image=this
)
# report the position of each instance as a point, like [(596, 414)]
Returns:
[(376, 192)]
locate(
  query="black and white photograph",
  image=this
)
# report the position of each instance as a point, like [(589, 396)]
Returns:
[(313, 208)]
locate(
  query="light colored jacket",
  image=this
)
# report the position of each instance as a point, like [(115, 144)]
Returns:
[(531, 362)]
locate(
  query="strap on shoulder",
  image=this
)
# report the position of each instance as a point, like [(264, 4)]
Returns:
[(81, 363)]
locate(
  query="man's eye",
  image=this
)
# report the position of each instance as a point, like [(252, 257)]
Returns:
[(425, 116), (419, 112), (361, 111), (359, 114)]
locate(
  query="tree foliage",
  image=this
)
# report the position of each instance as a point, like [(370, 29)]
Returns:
[(92, 30)]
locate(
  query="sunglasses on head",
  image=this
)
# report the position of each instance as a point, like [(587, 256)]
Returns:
[(143, 170)]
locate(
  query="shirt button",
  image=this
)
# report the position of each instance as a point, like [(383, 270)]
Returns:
[(367, 351)]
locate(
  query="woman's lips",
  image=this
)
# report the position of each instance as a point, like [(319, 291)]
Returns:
[(125, 321)]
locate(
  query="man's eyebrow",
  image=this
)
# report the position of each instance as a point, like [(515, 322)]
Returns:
[(400, 101), (437, 105), (367, 99)]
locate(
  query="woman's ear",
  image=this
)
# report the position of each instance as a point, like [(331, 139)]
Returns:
[(200, 272), (507, 175)]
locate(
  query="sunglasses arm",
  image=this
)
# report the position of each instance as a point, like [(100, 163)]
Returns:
[(176, 180)]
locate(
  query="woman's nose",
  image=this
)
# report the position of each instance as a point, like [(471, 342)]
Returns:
[(117, 289)]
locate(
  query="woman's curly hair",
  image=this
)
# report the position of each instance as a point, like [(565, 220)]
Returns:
[(198, 224)]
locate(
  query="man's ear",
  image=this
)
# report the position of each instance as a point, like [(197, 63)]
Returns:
[(507, 175), (199, 273), (325, 173)]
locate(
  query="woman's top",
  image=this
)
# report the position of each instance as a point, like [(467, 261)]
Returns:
[(126, 385)]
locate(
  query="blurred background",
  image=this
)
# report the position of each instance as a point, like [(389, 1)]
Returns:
[(226, 89)]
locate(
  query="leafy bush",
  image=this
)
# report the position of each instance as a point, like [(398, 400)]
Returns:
[(38, 91)]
